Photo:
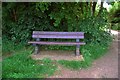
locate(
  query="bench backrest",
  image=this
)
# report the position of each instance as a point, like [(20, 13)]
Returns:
[(63, 35)]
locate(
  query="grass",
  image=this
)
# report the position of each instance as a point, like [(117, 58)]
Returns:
[(75, 65), (20, 65), (90, 52)]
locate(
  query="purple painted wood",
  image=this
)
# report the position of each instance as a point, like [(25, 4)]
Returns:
[(69, 35), (56, 43), (63, 35), (58, 36), (66, 33)]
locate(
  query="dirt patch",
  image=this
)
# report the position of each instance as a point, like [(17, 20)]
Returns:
[(57, 55)]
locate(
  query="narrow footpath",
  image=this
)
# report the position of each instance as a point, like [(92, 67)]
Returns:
[(104, 67)]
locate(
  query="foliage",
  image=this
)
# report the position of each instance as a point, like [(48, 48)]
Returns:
[(18, 26), (115, 26), (20, 65), (93, 28), (9, 46), (114, 12), (93, 52), (114, 15)]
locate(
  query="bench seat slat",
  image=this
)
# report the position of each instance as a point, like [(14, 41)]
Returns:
[(56, 43), (59, 36)]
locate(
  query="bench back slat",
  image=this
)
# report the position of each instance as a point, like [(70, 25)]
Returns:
[(63, 35)]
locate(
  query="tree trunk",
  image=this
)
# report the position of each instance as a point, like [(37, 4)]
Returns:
[(81, 7), (101, 8), (14, 15), (93, 8)]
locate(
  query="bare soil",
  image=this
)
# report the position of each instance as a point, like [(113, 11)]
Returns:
[(57, 55)]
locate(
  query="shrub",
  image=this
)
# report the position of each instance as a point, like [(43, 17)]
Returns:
[(9, 46)]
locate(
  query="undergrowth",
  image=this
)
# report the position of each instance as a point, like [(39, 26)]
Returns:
[(9, 46)]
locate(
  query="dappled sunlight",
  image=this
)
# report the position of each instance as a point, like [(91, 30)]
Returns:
[(114, 32)]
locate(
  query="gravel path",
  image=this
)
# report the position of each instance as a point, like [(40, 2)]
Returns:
[(104, 67)]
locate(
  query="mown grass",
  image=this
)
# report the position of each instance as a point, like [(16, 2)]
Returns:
[(75, 65), (20, 65)]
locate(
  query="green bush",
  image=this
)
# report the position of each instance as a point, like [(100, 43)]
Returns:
[(116, 26), (9, 46), (18, 27), (94, 51)]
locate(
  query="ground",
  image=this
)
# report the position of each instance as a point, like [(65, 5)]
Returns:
[(104, 67), (57, 55)]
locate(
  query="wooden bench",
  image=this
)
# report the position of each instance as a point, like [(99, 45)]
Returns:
[(58, 35)]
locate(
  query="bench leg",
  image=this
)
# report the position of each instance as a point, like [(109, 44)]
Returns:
[(77, 50), (36, 49)]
